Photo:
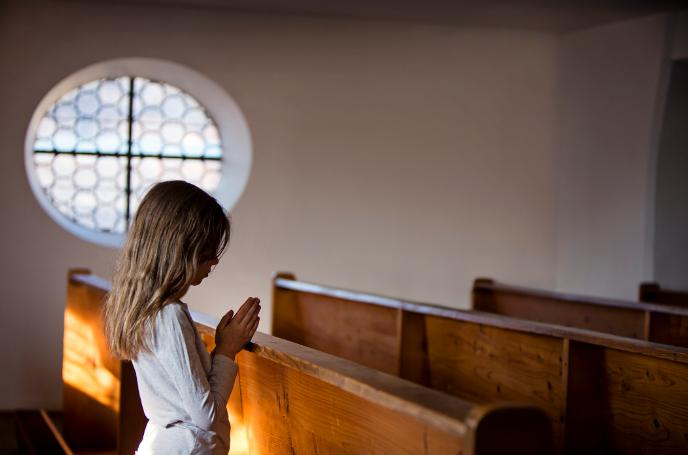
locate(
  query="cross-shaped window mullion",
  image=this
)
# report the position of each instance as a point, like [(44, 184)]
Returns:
[(171, 153), (99, 154)]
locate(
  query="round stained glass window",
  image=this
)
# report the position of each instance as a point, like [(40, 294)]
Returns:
[(94, 151)]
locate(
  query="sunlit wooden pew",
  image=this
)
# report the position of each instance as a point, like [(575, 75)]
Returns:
[(654, 293), (291, 399), (644, 321), (98, 417), (604, 393)]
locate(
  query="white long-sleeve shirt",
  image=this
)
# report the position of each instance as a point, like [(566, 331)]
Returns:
[(183, 391)]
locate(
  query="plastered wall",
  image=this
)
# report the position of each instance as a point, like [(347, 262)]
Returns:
[(389, 157), (612, 89)]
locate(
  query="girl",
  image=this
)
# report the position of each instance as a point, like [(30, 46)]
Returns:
[(177, 236)]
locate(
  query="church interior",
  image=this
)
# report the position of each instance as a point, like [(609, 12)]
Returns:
[(466, 221)]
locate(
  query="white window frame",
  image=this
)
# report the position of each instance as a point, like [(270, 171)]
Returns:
[(234, 132)]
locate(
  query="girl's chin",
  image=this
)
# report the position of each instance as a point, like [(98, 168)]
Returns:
[(198, 281)]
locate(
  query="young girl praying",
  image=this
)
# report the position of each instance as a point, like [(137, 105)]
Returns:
[(178, 235)]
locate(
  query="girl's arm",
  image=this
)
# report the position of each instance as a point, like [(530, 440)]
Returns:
[(202, 396)]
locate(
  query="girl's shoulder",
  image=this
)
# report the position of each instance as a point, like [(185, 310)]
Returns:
[(172, 321), (173, 312)]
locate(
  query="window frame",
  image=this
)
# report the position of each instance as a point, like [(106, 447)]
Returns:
[(232, 126)]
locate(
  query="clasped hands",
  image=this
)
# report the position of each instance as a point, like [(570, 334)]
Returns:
[(235, 330)]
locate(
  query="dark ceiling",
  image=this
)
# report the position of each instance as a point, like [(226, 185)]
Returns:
[(558, 16)]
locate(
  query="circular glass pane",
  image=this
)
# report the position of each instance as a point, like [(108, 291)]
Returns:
[(99, 147)]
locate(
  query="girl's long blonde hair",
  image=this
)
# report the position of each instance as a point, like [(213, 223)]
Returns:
[(177, 226)]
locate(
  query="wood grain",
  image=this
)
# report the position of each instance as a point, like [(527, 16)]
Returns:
[(430, 406), (668, 329), (91, 375), (587, 417), (648, 403), (351, 330), (627, 322), (652, 322), (117, 426), (574, 333), (487, 364), (293, 399), (488, 285), (289, 412), (414, 362), (579, 376)]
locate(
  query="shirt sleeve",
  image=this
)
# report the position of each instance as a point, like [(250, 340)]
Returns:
[(203, 397)]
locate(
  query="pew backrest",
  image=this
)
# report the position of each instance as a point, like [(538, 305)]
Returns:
[(293, 399), (645, 321), (577, 376), (90, 374), (654, 293)]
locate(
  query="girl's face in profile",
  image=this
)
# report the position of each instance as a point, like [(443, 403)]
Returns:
[(208, 261)]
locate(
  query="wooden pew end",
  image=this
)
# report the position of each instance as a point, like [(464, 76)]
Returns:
[(500, 428), (283, 275), (648, 292), (483, 282)]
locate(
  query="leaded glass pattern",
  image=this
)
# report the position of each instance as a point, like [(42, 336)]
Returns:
[(100, 147)]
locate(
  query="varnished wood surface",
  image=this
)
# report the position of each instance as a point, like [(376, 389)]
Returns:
[(280, 281), (119, 427), (654, 293), (429, 405), (413, 357), (668, 329), (294, 399), (91, 375), (664, 324), (507, 322), (568, 372), (371, 339), (489, 285), (372, 412), (648, 401), (586, 417), (291, 412), (488, 364), (614, 320)]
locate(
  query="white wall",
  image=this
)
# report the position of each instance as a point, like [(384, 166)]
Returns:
[(611, 91), (671, 221), (671, 211), (389, 157)]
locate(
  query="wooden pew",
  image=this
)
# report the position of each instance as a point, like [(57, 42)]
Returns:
[(291, 399), (654, 293), (603, 393), (91, 376), (644, 321)]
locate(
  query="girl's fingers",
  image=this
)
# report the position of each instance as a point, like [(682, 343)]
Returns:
[(225, 319), (250, 317), (253, 329), (246, 307), (248, 322)]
